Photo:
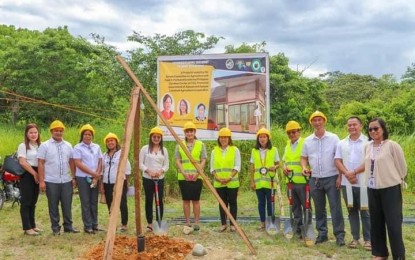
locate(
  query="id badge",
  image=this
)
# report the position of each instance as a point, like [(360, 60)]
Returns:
[(371, 183), (263, 171)]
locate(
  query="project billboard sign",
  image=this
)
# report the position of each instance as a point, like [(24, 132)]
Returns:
[(214, 91)]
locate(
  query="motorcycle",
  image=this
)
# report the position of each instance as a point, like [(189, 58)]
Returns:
[(9, 188)]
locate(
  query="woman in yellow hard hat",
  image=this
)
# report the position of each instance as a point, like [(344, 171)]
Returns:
[(111, 159), (88, 161), (154, 163), (225, 164), (190, 182), (264, 164)]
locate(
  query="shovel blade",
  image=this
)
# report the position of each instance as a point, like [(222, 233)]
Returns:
[(272, 225), (288, 229), (160, 228), (308, 231)]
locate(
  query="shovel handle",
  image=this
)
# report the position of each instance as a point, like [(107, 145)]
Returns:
[(307, 196), (290, 193)]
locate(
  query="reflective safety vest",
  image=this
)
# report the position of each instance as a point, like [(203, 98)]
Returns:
[(223, 166), (292, 161), (263, 181), (188, 167)]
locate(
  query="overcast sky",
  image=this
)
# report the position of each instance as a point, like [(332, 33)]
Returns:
[(352, 36)]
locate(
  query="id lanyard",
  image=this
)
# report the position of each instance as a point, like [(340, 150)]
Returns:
[(373, 154), (263, 170)]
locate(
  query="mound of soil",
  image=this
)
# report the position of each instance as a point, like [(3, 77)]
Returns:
[(156, 247)]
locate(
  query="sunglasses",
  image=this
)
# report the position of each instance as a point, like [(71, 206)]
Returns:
[(292, 132), (375, 129)]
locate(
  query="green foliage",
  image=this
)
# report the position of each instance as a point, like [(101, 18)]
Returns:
[(51, 74), (246, 48), (409, 75)]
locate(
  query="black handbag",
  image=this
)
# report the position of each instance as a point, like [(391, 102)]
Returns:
[(11, 164)]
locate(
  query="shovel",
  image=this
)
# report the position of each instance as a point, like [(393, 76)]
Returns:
[(272, 224), (159, 227), (308, 230), (288, 224)]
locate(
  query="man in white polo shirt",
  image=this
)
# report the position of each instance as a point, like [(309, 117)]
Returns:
[(349, 156), (318, 152), (56, 177)]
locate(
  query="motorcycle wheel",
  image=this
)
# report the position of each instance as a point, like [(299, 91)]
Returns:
[(2, 198)]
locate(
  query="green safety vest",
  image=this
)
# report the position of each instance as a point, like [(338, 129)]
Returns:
[(223, 166), (292, 161), (263, 181), (188, 167)]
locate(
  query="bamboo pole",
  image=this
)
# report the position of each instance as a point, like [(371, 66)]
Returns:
[(176, 137), (115, 207)]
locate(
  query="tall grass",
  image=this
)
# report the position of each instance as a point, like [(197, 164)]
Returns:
[(11, 137)]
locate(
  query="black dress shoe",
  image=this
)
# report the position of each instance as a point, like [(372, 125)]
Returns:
[(98, 229), (89, 231), (71, 231), (56, 233), (320, 240), (340, 242)]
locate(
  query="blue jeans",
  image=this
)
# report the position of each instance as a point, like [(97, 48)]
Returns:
[(264, 200), (320, 188), (354, 215)]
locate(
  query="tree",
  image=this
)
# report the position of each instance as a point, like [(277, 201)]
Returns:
[(409, 75), (51, 74), (246, 48)]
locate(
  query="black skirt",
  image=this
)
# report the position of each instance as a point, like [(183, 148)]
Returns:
[(191, 190)]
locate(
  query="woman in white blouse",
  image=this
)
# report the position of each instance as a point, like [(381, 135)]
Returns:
[(109, 176), (29, 183), (154, 162)]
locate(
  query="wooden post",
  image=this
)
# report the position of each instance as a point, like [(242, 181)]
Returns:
[(118, 187), (176, 137), (137, 173)]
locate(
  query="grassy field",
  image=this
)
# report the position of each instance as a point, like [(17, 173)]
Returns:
[(15, 245)]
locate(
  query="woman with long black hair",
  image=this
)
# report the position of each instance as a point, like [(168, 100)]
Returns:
[(29, 182)]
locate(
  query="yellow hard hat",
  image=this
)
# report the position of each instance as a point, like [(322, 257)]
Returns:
[(156, 130), (264, 131), (189, 125), (56, 124), (87, 127), (317, 114), (292, 125), (111, 136), (225, 132)]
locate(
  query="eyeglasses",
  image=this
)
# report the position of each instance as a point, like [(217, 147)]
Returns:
[(292, 132), (375, 129), (156, 137)]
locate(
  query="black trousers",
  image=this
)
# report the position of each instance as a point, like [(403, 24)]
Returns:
[(29, 191), (149, 192), (385, 207), (108, 191), (229, 197)]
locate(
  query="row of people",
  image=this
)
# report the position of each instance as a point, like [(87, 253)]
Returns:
[(333, 164), (370, 172), (57, 168)]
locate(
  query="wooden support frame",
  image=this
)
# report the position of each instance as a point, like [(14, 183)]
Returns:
[(109, 243)]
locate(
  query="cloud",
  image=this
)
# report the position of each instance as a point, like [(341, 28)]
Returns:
[(364, 37)]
